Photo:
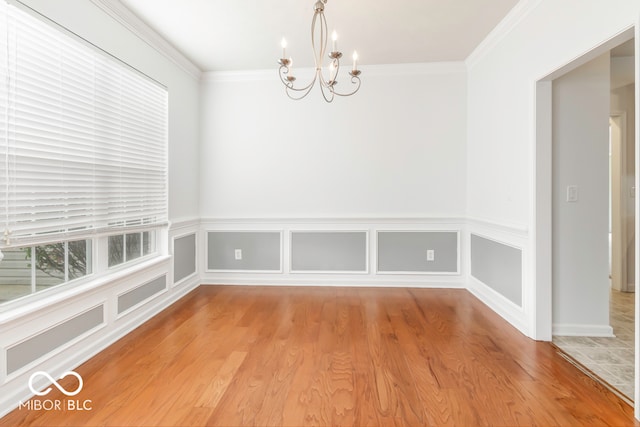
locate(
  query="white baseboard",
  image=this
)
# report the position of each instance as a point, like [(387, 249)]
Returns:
[(583, 330), (17, 390), (442, 282), (506, 309)]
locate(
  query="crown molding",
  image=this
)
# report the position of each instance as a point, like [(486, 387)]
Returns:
[(242, 75), (418, 68), (504, 27), (131, 22), (426, 68)]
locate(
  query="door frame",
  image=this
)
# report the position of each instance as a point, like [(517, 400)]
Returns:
[(541, 205), (619, 203)]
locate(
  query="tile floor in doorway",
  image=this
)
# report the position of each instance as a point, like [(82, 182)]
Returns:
[(612, 359)]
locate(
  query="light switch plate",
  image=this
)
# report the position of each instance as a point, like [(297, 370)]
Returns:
[(572, 193)]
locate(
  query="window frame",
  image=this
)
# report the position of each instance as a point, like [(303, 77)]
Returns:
[(99, 268)]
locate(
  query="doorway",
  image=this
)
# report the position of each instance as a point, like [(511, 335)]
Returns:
[(574, 213)]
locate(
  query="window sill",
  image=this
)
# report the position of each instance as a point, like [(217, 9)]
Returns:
[(35, 302)]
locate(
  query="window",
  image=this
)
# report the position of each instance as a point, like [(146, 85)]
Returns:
[(83, 154), (127, 247), (27, 270)]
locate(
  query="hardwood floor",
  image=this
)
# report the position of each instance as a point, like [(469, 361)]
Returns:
[(239, 356)]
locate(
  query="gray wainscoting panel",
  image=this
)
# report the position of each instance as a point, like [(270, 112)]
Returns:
[(260, 250), (498, 266), (184, 257), (406, 251), (141, 293), (37, 346), (329, 251)]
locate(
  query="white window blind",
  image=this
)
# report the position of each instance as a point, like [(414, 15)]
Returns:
[(83, 139)]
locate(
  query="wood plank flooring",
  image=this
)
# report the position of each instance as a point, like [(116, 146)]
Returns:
[(265, 356)]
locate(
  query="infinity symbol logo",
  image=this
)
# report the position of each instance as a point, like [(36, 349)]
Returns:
[(55, 383)]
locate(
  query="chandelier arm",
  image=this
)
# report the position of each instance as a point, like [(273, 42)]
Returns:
[(284, 70), (297, 97), (354, 80), (304, 91), (323, 82), (329, 88)]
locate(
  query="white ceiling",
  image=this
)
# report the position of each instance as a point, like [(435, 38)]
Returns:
[(226, 35)]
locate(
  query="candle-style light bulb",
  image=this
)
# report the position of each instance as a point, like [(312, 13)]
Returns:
[(283, 43), (334, 37), (355, 60)]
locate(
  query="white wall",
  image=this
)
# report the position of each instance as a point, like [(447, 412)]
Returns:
[(501, 85), (580, 228), (538, 38), (396, 149)]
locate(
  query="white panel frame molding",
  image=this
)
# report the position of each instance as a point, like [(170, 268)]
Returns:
[(515, 236), (195, 272), (328, 278), (458, 271), (133, 308), (290, 252), (180, 229), (205, 250), (32, 331)]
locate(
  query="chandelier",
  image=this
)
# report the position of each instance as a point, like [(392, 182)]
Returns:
[(327, 86)]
